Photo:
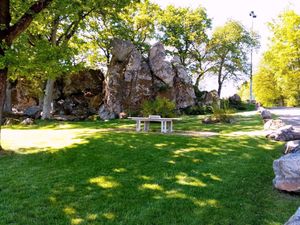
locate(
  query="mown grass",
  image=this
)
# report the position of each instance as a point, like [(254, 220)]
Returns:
[(102, 176)]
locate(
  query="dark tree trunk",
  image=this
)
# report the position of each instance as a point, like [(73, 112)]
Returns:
[(3, 78), (219, 89), (8, 98)]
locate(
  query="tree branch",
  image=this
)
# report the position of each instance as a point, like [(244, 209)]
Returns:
[(22, 24)]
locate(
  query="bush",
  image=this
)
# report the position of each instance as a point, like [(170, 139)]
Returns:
[(197, 110), (223, 113), (161, 106)]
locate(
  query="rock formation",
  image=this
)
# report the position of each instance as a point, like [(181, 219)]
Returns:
[(131, 79), (79, 94)]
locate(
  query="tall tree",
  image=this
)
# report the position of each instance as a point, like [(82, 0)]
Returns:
[(228, 51), (185, 30), (9, 33), (278, 78), (135, 22)]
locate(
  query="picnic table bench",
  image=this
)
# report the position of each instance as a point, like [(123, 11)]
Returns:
[(166, 123)]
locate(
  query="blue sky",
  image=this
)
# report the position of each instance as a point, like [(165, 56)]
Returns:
[(222, 10)]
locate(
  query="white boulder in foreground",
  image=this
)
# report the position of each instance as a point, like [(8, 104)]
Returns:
[(295, 219), (287, 173)]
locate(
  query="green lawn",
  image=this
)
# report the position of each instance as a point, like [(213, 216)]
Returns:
[(83, 173)]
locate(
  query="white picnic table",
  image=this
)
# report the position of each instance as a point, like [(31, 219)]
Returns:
[(166, 123)]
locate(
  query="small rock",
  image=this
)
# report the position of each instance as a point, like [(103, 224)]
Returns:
[(266, 115), (274, 124), (292, 147), (123, 115), (33, 112), (27, 121), (210, 120), (295, 219)]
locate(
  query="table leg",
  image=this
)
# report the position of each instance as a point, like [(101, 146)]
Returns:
[(138, 125), (163, 126), (146, 125)]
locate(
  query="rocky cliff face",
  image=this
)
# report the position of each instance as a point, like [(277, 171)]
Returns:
[(132, 79)]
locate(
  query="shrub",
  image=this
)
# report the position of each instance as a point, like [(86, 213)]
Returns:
[(197, 110), (223, 113), (160, 106)]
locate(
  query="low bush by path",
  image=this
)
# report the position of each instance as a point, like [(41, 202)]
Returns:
[(78, 173)]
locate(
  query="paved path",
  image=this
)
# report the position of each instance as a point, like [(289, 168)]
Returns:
[(290, 116)]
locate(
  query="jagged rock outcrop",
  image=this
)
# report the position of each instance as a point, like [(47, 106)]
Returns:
[(160, 66), (131, 79), (128, 81), (183, 86)]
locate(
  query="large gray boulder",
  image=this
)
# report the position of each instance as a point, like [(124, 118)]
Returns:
[(160, 66), (295, 219), (287, 173)]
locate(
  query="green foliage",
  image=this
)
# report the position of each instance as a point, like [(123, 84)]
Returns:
[(244, 91), (278, 78), (228, 52), (161, 106), (197, 110), (223, 113), (169, 179), (183, 29), (135, 22)]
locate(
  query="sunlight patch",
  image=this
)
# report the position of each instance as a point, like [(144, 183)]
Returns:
[(52, 199), (208, 202), (212, 176), (119, 170), (143, 177), (104, 182), (154, 187), (76, 221), (175, 194), (69, 210), (91, 217), (161, 145), (184, 179), (35, 141), (109, 216)]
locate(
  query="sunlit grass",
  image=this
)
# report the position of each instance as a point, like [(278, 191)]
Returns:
[(106, 173)]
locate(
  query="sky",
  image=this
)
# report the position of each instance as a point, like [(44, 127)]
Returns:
[(222, 10)]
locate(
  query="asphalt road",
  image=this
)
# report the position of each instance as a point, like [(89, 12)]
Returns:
[(291, 116)]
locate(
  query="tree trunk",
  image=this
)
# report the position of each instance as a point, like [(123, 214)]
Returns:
[(47, 105), (219, 89), (3, 78), (8, 100)]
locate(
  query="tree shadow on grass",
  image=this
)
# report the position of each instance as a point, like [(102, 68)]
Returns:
[(129, 178)]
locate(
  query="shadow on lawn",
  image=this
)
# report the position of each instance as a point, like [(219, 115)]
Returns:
[(120, 178)]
